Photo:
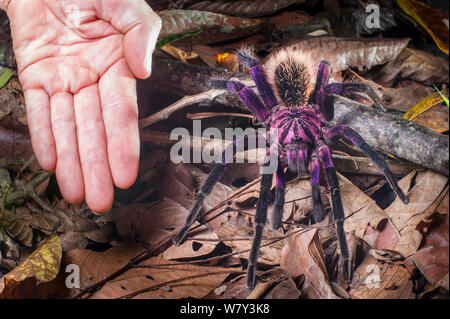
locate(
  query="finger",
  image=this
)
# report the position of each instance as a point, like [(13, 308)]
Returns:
[(68, 167), (92, 148), (38, 118), (141, 26), (120, 115)]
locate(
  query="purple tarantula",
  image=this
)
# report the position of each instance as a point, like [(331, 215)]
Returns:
[(301, 119)]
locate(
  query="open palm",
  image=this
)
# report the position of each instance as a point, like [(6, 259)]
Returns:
[(77, 62)]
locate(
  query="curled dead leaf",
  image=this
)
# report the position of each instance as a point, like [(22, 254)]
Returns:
[(43, 265)]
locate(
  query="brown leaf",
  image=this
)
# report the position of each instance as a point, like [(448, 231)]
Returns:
[(148, 223), (405, 218), (303, 254), (432, 259), (415, 65), (244, 8), (360, 210), (435, 119), (200, 245), (215, 27), (238, 232), (431, 19), (284, 290), (346, 53), (374, 280), (177, 184), (172, 281)]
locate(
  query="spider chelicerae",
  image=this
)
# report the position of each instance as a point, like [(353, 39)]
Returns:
[(299, 110)]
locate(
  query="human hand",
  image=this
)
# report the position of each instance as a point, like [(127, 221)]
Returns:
[(78, 61)]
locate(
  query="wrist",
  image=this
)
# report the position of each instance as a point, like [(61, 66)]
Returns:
[(4, 4)]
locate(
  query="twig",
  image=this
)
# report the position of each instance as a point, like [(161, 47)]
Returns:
[(140, 291), (4, 162), (204, 115), (185, 101), (28, 189), (349, 156)]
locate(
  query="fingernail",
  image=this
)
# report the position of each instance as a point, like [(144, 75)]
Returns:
[(148, 62)]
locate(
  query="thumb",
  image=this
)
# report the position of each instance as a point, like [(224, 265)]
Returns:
[(140, 26)]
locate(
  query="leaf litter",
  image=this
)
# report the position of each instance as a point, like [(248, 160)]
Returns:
[(127, 253)]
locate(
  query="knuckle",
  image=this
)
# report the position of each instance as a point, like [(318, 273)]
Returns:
[(125, 101), (93, 124), (93, 158)]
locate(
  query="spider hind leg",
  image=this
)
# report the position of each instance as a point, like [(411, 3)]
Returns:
[(318, 213), (260, 221), (280, 191)]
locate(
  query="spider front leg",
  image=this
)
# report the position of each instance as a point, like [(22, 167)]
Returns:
[(248, 57), (339, 131), (338, 209), (320, 98), (346, 88), (208, 185), (250, 99), (323, 76), (260, 221)]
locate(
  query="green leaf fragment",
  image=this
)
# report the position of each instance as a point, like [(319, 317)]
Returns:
[(5, 75), (442, 95), (176, 37)]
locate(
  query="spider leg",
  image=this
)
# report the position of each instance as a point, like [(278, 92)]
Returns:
[(339, 131), (318, 213), (246, 95), (345, 88), (320, 96), (280, 190), (260, 220), (208, 185), (259, 76), (338, 209), (323, 76)]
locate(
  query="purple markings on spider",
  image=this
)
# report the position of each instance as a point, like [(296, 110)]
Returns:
[(303, 134)]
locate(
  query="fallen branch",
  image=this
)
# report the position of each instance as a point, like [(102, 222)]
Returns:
[(385, 132), (395, 135), (344, 164), (186, 101)]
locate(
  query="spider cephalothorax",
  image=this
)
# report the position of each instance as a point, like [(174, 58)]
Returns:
[(299, 110)]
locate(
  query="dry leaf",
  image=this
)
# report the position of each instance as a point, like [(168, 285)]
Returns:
[(215, 27), (284, 290), (95, 266), (43, 265), (435, 119), (414, 65), (346, 53), (239, 234), (432, 259), (426, 103), (405, 218), (303, 254), (148, 223), (431, 19), (374, 280), (360, 210), (244, 8)]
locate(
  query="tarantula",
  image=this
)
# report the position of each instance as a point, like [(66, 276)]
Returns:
[(299, 111)]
